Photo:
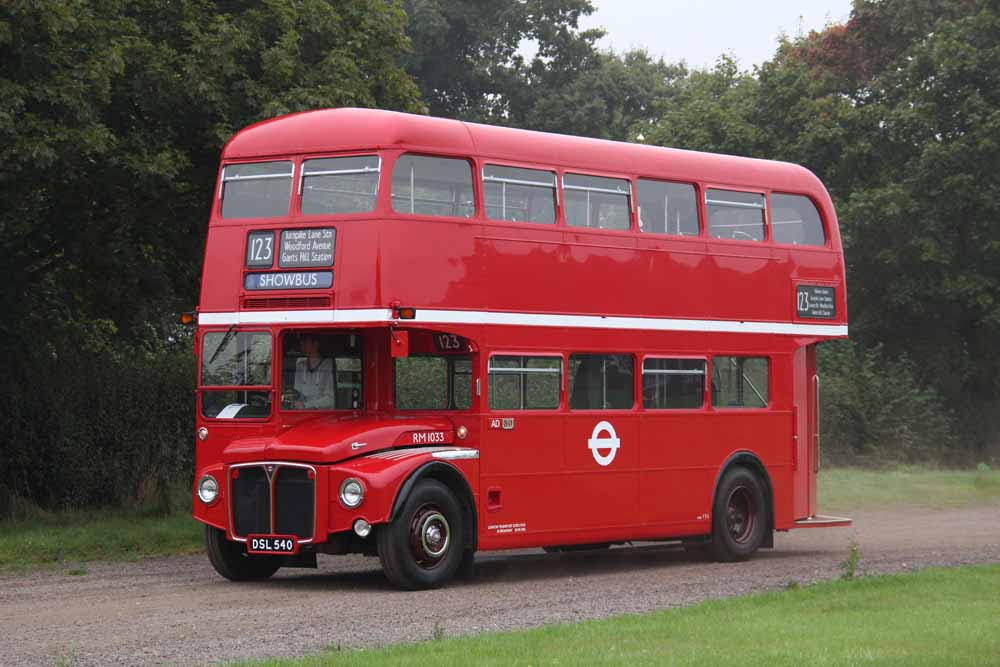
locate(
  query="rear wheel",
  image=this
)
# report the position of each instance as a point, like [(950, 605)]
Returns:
[(231, 560), (424, 546), (739, 516)]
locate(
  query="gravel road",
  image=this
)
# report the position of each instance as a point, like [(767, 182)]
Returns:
[(177, 611)]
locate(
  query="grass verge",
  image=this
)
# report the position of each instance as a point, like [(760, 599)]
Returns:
[(95, 535), (851, 489), (932, 617)]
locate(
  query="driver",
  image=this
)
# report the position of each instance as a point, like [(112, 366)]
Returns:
[(313, 377)]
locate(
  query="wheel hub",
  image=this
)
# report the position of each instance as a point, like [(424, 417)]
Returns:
[(430, 536), (741, 514)]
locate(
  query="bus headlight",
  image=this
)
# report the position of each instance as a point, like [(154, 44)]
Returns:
[(352, 492), (208, 489)]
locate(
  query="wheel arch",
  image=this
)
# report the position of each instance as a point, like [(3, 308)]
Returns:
[(750, 460), (451, 477)]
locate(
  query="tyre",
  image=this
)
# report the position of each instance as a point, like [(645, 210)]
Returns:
[(739, 516), (424, 546), (231, 560)]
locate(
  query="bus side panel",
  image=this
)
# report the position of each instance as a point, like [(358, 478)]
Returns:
[(677, 468)]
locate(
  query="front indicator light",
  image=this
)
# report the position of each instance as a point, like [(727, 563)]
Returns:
[(362, 528), (208, 489), (352, 492)]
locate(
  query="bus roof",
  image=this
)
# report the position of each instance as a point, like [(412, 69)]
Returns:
[(335, 130)]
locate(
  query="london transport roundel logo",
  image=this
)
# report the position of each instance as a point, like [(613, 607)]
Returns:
[(597, 444)]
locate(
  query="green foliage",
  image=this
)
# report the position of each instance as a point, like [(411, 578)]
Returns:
[(874, 410), (850, 564), (467, 62), (112, 116), (96, 428)]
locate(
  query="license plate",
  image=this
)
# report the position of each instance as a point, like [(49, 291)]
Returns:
[(281, 545)]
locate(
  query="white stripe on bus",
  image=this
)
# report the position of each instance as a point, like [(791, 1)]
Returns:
[(430, 316)]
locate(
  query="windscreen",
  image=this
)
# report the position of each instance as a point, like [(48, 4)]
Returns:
[(235, 359)]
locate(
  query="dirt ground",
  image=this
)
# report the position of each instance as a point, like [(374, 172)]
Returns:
[(177, 610)]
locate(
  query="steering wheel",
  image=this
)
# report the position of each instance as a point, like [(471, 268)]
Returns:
[(289, 396)]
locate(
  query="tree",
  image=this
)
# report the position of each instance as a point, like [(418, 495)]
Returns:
[(112, 118), (466, 56)]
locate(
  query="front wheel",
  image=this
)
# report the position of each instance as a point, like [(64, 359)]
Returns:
[(231, 560), (423, 547), (739, 516)]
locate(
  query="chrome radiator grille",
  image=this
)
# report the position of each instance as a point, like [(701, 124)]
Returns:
[(272, 499)]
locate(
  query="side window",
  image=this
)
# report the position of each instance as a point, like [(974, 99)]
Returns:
[(340, 185), (667, 208), (321, 371), (739, 382), (519, 195), (525, 383), (425, 185), (256, 190), (671, 384), (601, 382), (433, 382), (597, 202), (735, 215), (794, 219)]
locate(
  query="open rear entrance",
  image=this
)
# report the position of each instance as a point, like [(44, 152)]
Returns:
[(806, 430)]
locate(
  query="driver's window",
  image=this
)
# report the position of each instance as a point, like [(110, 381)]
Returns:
[(321, 371)]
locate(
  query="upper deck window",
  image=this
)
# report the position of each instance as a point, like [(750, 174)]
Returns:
[(597, 202), (519, 195), (667, 208), (439, 186), (340, 185), (795, 220), (256, 189), (735, 215)]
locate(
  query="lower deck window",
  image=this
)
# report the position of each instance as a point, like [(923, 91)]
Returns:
[(601, 382), (739, 382), (433, 382), (525, 383), (671, 384)]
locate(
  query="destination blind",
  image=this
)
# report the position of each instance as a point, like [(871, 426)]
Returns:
[(302, 248)]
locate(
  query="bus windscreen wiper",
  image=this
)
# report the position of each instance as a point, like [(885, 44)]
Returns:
[(225, 341)]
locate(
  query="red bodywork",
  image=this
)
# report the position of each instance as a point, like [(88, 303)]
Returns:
[(523, 288)]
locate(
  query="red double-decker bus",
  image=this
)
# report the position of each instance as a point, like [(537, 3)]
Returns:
[(419, 338)]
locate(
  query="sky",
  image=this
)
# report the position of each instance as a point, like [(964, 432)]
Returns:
[(699, 32)]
